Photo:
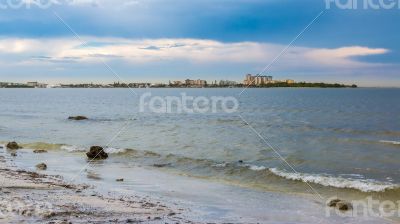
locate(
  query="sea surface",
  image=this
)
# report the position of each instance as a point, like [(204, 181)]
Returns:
[(310, 142)]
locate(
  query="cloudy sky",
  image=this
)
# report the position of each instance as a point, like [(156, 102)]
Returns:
[(159, 40)]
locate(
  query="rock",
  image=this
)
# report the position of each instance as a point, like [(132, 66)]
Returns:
[(333, 202), (120, 180), (78, 118), (13, 154), (344, 206), (161, 165), (13, 145), (41, 166), (340, 204), (40, 151), (97, 152), (240, 161)]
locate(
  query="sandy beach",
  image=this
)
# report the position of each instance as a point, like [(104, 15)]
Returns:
[(29, 197)]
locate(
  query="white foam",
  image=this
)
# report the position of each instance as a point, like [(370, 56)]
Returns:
[(111, 150), (73, 148), (338, 182), (256, 168), (220, 165), (390, 142)]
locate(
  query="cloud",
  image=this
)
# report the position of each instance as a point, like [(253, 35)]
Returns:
[(146, 52), (343, 55)]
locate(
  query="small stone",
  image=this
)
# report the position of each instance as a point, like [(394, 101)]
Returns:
[(39, 151), (333, 202), (344, 206), (13, 154), (340, 204), (77, 118), (120, 180), (160, 165), (13, 145), (41, 166)]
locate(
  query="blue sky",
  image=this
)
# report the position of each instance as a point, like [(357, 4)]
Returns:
[(161, 40)]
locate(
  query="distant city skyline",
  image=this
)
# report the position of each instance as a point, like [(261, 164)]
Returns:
[(160, 40)]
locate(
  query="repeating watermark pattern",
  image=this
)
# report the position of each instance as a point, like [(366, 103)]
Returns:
[(27, 4), (367, 208), (363, 4), (187, 104)]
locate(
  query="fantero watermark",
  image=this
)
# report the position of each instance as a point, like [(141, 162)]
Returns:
[(27, 4), (187, 104), (363, 4), (368, 208)]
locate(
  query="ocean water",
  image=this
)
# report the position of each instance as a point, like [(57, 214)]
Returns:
[(342, 142)]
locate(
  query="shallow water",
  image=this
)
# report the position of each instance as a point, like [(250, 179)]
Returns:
[(342, 141)]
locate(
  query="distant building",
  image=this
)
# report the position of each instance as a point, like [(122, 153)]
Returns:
[(227, 83), (36, 85), (200, 83), (290, 81), (257, 80), (177, 83)]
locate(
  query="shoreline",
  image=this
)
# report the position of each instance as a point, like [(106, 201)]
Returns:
[(30, 197), (34, 197)]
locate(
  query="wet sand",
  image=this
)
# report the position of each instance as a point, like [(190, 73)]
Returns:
[(29, 197)]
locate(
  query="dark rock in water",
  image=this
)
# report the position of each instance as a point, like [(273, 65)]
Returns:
[(161, 165), (14, 154), (120, 180), (78, 118), (97, 152), (40, 151), (240, 161), (333, 202), (41, 166), (340, 204), (344, 206), (13, 145)]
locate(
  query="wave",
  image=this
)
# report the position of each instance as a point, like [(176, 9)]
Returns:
[(109, 150), (256, 168), (231, 169), (338, 182), (73, 148), (390, 142)]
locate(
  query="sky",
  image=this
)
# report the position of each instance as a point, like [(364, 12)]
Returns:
[(102, 41)]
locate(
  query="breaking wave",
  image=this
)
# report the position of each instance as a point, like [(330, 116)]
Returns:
[(109, 150), (338, 182), (390, 142), (256, 168), (73, 148)]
